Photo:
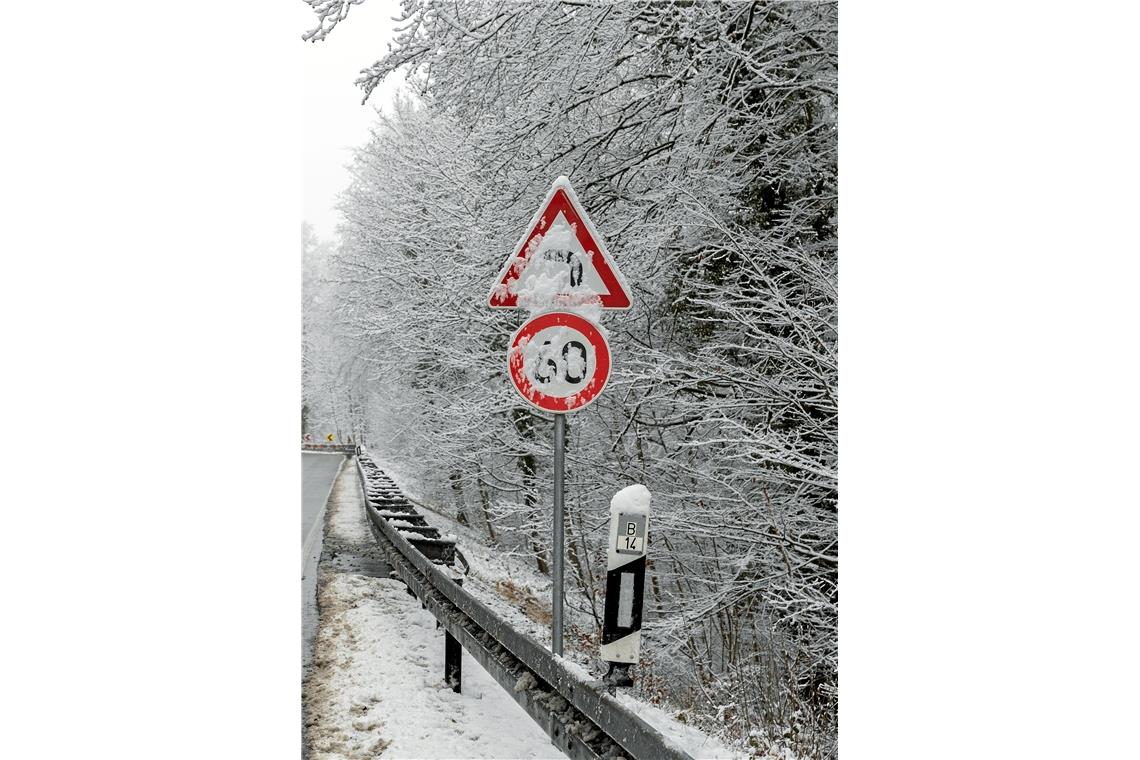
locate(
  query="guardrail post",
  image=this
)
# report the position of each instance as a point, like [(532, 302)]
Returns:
[(453, 658), (452, 662)]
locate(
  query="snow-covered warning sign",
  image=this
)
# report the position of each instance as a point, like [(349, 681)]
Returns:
[(561, 261), (559, 361)]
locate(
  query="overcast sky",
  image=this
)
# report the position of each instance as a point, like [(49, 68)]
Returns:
[(335, 120)]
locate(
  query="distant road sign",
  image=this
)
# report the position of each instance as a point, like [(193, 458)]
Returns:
[(561, 261), (559, 362), (329, 437)]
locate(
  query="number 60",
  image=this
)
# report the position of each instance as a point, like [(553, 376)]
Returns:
[(548, 367)]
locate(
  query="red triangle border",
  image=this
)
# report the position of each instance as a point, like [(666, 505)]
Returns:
[(561, 202)]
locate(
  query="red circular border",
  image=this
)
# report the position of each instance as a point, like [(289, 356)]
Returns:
[(532, 326)]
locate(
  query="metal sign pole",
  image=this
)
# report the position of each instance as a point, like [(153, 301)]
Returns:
[(568, 329), (558, 538)]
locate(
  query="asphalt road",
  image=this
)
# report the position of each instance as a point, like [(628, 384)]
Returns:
[(318, 471), (317, 474)]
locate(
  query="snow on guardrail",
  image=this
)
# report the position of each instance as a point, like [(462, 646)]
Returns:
[(580, 716)]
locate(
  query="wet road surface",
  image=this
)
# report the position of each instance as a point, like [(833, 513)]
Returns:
[(317, 474)]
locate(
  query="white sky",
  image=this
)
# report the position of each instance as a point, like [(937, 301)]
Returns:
[(335, 120)]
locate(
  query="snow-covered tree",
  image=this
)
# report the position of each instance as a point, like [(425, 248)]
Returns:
[(702, 137)]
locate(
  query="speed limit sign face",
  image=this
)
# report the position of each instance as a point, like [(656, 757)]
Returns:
[(559, 361)]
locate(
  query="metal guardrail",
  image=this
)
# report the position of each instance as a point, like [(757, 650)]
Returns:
[(580, 716), (344, 448)]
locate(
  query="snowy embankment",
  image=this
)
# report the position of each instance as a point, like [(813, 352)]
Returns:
[(517, 592), (377, 680)]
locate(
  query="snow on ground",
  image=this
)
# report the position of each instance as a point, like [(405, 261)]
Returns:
[(517, 592), (377, 680), (385, 690), (691, 739), (347, 520)]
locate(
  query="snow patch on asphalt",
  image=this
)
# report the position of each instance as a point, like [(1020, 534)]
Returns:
[(376, 686), (348, 523), (379, 677)]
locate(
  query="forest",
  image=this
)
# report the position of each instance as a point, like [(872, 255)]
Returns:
[(702, 139)]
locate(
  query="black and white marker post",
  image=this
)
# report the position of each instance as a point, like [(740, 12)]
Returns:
[(625, 583)]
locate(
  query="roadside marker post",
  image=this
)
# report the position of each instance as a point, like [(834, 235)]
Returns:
[(625, 583), (559, 360)]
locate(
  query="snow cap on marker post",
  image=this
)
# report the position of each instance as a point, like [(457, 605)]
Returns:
[(561, 261)]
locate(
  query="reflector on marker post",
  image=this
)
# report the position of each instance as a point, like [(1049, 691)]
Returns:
[(625, 582)]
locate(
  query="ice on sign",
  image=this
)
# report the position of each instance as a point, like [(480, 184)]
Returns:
[(561, 261), (556, 268), (559, 361)]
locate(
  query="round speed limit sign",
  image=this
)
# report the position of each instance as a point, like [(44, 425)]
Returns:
[(559, 361)]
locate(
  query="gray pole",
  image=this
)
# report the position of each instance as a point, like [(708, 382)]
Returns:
[(558, 540)]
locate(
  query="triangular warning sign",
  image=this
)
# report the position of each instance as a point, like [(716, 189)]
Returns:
[(561, 261)]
